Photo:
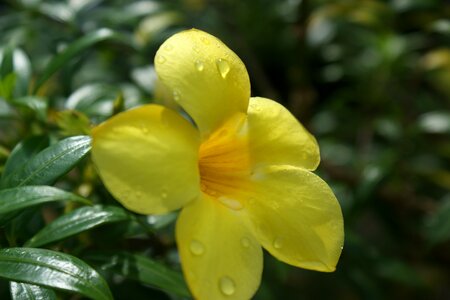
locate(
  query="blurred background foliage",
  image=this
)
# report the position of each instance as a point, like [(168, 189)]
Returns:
[(370, 79)]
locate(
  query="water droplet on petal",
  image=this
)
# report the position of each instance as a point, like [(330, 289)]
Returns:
[(231, 203), (164, 193), (160, 59), (168, 47), (199, 65), (258, 175), (227, 286), (196, 49), (245, 242), (205, 40), (278, 243), (223, 66), (196, 248), (176, 96)]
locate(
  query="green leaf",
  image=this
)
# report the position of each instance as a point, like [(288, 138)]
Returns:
[(77, 221), (22, 69), (52, 269), (437, 226), (15, 199), (6, 61), (144, 270), (36, 104), (15, 72), (399, 271), (95, 100), (6, 109), (7, 85), (23, 152), (50, 164), (72, 122), (59, 12), (76, 48), (24, 291)]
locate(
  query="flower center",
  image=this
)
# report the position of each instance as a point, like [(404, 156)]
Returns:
[(224, 163)]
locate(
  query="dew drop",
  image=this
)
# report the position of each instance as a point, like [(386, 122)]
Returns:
[(199, 65), (144, 129), (223, 67), (196, 49), (176, 96), (245, 242), (258, 175), (196, 248), (227, 286), (231, 203), (278, 243), (160, 59), (205, 40), (168, 47), (164, 193)]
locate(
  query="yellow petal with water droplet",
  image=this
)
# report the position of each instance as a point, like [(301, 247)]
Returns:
[(199, 65), (161, 59), (278, 243), (231, 203), (227, 286), (296, 217), (196, 247), (229, 267), (277, 138), (223, 67), (135, 151), (245, 242), (209, 92)]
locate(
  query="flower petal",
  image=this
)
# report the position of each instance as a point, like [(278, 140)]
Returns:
[(205, 77), (219, 256), (277, 138), (296, 217), (147, 157)]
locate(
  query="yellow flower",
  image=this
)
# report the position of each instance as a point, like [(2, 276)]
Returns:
[(241, 175)]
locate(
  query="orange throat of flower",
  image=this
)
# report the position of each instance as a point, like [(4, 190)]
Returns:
[(224, 163)]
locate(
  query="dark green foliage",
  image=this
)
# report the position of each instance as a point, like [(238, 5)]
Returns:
[(19, 198), (77, 221), (27, 291), (370, 79), (52, 269), (49, 164), (142, 269)]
